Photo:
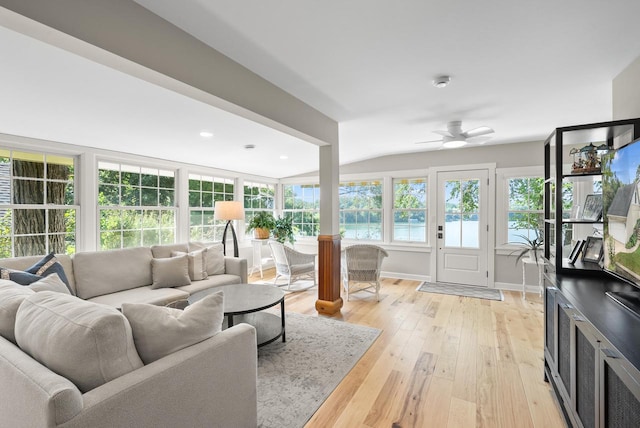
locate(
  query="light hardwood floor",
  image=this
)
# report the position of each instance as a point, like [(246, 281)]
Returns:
[(441, 361)]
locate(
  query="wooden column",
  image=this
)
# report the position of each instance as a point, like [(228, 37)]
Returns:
[(329, 301)]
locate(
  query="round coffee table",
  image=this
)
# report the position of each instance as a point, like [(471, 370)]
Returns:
[(245, 303)]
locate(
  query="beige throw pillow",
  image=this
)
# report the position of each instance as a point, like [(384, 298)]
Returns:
[(159, 331), (171, 272), (87, 343), (11, 296), (50, 283), (197, 263), (215, 256)]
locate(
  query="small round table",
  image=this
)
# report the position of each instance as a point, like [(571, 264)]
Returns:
[(540, 264), (245, 303)]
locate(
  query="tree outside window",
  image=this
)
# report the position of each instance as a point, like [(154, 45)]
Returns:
[(302, 207), (257, 197), (361, 210), (410, 210), (136, 206), (37, 203), (204, 192), (526, 208)]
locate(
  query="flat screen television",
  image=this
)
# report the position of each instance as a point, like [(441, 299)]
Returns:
[(621, 216)]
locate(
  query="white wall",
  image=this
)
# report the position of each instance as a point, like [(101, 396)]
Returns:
[(626, 92)]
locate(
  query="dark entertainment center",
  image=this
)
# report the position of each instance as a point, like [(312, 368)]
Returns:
[(592, 341)]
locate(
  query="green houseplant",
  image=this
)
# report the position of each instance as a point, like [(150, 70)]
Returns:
[(262, 223), (529, 246), (283, 231)]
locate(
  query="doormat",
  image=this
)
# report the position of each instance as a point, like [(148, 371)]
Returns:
[(461, 290)]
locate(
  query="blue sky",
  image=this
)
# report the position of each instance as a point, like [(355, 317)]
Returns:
[(626, 161)]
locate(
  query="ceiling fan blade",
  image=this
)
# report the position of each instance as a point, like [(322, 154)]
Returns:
[(476, 132), (444, 133), (479, 139), (430, 141)]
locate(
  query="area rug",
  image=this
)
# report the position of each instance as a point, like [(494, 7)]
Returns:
[(461, 290), (295, 377), (298, 285)]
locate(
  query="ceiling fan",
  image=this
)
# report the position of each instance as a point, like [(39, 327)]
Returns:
[(455, 137)]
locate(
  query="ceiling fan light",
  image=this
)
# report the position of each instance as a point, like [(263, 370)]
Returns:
[(454, 144)]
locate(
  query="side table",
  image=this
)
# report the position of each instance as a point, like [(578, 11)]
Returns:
[(540, 263), (258, 260)]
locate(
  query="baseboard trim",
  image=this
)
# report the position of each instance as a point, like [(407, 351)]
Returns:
[(399, 275), (509, 286)]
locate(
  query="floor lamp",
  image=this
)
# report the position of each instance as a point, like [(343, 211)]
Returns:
[(229, 210)]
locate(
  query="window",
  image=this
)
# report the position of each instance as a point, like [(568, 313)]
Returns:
[(37, 204), (410, 209), (361, 210), (136, 206), (525, 212), (257, 197), (302, 206), (204, 191)]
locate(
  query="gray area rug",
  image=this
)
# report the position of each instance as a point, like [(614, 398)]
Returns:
[(295, 377), (461, 290)]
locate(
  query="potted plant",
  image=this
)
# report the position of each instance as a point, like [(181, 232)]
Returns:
[(262, 223), (530, 247), (283, 231)]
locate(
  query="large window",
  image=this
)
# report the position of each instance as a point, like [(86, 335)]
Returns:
[(361, 210), (204, 191), (302, 206), (136, 206), (525, 211), (410, 209), (257, 197), (37, 204)]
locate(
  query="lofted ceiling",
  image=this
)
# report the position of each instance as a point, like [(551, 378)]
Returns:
[(520, 67)]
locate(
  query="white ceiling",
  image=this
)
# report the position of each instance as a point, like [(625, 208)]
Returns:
[(520, 67)]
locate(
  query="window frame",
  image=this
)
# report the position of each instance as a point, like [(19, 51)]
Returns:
[(250, 211), (381, 210), (313, 213), (218, 225), (394, 210)]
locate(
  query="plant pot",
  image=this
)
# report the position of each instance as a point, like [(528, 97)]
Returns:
[(260, 233)]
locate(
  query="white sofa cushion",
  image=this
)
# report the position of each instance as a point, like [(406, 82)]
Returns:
[(87, 343), (159, 331), (11, 296), (197, 263), (159, 296), (171, 272), (104, 272)]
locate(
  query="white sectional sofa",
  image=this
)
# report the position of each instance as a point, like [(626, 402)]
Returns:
[(208, 384)]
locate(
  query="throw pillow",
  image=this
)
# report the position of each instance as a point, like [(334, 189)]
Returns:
[(197, 263), (159, 331), (215, 257), (87, 343), (18, 276), (50, 283), (171, 272), (11, 296), (48, 265)]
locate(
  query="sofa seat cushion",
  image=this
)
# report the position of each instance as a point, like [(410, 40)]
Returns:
[(87, 343), (212, 281), (160, 296), (105, 272), (160, 331)]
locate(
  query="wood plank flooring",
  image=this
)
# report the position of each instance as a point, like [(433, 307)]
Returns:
[(441, 361)]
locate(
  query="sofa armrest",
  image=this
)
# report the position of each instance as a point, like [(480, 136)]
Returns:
[(31, 395), (212, 384), (236, 266)]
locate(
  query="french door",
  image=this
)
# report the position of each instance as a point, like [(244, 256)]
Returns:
[(462, 251)]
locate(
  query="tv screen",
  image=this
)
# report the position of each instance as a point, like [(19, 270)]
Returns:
[(621, 211)]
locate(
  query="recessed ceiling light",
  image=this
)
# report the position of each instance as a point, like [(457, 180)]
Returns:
[(441, 81), (284, 157), (206, 134)]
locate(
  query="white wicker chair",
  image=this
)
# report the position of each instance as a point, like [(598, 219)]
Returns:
[(361, 264), (292, 264)]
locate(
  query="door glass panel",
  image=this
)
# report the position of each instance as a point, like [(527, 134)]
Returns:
[(462, 196)]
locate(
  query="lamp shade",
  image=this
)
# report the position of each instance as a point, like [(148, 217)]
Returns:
[(228, 210)]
